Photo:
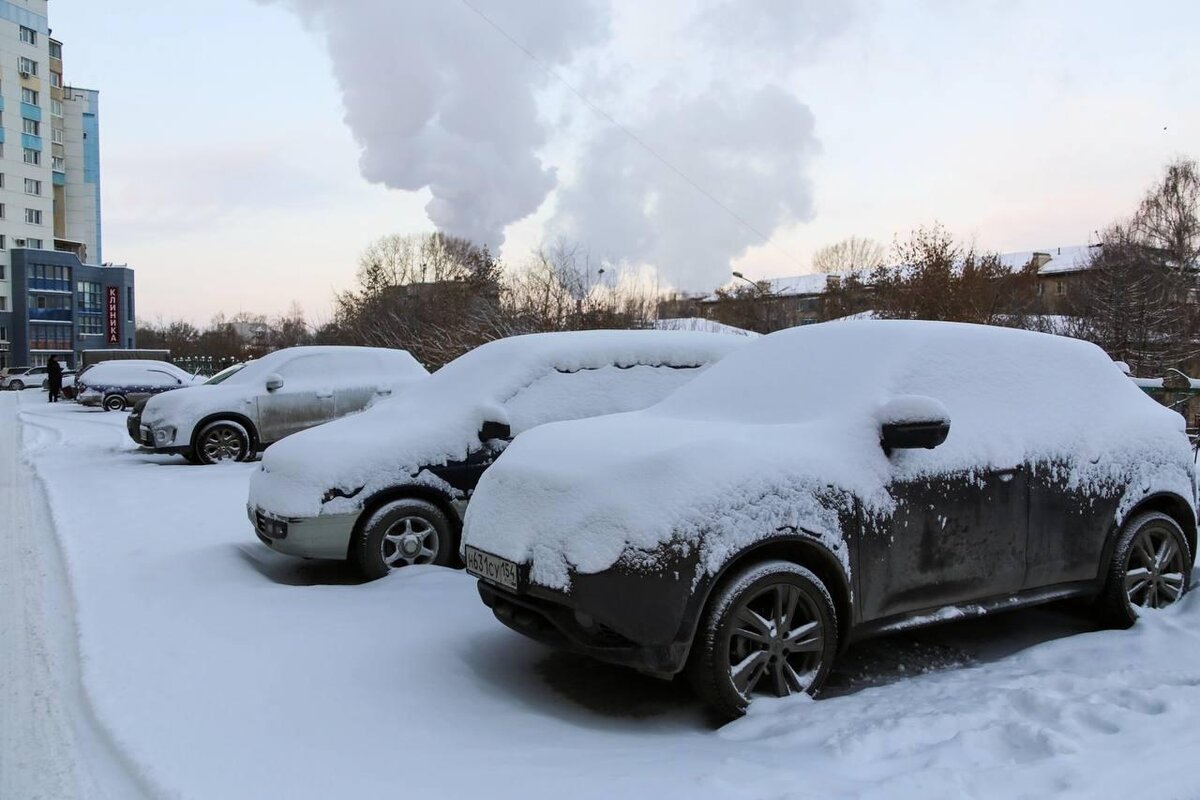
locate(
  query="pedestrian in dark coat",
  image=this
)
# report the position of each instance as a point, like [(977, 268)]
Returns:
[(55, 377)]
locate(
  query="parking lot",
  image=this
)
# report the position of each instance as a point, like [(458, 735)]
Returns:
[(211, 667)]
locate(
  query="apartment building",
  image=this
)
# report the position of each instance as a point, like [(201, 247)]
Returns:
[(51, 258)]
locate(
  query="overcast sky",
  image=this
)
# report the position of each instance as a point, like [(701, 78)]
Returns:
[(232, 142)]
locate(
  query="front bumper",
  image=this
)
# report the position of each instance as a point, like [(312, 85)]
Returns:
[(308, 537), (556, 623)]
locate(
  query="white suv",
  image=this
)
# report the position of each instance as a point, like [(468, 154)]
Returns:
[(240, 411)]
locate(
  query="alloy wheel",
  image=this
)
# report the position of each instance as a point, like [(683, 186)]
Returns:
[(222, 444), (409, 540), (776, 642), (1154, 577)]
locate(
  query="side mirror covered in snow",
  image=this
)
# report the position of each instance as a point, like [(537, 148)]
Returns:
[(274, 381), (494, 430), (913, 421)]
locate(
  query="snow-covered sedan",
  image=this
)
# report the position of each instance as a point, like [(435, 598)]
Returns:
[(243, 409), (387, 488), (119, 384), (831, 482)]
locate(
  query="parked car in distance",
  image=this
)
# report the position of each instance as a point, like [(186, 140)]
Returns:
[(387, 488), (18, 378), (831, 482), (117, 385), (243, 409)]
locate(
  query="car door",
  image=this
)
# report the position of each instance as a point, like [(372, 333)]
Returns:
[(305, 399), (1068, 525), (951, 538), (155, 382), (360, 382)]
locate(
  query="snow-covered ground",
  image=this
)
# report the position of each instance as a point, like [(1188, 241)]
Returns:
[(213, 668)]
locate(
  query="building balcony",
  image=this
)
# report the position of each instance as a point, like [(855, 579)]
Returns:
[(50, 315), (31, 142), (30, 111)]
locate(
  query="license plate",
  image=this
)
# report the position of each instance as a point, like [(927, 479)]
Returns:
[(493, 569)]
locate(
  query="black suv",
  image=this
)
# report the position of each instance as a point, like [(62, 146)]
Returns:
[(832, 482)]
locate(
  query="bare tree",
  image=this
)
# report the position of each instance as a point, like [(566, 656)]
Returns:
[(855, 254), (1168, 219)]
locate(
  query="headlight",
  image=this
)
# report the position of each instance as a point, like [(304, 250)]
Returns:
[(164, 435)]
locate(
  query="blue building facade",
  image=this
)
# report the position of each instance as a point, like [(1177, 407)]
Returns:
[(62, 307)]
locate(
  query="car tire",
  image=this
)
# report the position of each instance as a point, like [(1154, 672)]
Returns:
[(114, 402), (401, 533), (222, 440), (17, 386), (734, 632), (1150, 568)]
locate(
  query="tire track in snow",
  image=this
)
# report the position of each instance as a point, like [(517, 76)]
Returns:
[(50, 744)]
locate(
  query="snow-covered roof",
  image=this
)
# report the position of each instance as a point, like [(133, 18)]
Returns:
[(1062, 259), (700, 324)]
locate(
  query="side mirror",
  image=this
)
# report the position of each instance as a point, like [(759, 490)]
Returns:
[(913, 422), (274, 381), (494, 430)]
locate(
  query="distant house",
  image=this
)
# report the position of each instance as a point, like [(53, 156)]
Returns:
[(776, 303)]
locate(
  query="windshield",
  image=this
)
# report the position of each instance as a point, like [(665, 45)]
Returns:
[(224, 374)]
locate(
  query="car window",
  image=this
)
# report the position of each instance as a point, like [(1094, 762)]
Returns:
[(158, 377), (331, 368), (592, 392), (225, 374)]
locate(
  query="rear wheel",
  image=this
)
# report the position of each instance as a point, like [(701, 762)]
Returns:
[(400, 534), (114, 402), (17, 385), (770, 630), (1149, 569), (223, 440)]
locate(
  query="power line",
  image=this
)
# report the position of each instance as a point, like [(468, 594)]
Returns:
[(638, 140)]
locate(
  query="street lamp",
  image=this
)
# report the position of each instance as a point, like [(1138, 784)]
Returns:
[(762, 291)]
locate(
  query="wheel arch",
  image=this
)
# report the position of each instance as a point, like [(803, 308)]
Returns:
[(409, 491), (231, 416), (798, 549), (1167, 503)]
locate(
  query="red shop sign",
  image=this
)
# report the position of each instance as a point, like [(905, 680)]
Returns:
[(114, 315)]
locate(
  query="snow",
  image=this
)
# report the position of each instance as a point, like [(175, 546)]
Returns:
[(700, 324), (215, 668), (305, 368), (778, 433), (135, 372), (523, 381)]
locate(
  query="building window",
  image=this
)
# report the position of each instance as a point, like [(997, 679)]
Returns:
[(29, 96), (27, 66), (33, 157), (3, 307), (33, 186), (1, 180), (56, 135), (33, 244), (1060, 288), (56, 79), (56, 107), (58, 163), (3, 246), (2, 215), (2, 267), (32, 127), (56, 50), (33, 216), (28, 35), (88, 293), (91, 324)]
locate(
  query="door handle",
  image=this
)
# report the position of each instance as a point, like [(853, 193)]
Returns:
[(323, 395)]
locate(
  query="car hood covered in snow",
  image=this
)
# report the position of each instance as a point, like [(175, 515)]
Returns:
[(775, 434), (439, 420)]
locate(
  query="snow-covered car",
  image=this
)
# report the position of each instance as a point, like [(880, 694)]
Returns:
[(19, 378), (241, 410), (388, 487), (831, 482), (117, 385), (68, 379)]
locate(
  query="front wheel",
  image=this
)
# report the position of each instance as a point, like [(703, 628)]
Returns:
[(400, 534), (17, 386), (1149, 568), (114, 402), (223, 440), (770, 630)]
